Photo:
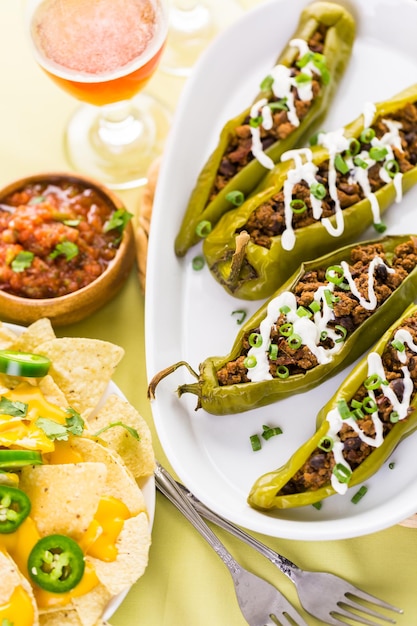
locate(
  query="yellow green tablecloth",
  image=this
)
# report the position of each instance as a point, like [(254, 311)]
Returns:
[(185, 583)]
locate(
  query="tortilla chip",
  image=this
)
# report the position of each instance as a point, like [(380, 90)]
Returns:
[(59, 618), (119, 482), (64, 497), (138, 456), (91, 606), (10, 579), (34, 335), (52, 392), (82, 368), (133, 546), (7, 336)]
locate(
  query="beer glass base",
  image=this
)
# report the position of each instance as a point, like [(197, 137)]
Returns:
[(116, 144)]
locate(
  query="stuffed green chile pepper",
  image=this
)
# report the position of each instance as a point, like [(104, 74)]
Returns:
[(322, 319), (372, 411), (293, 99), (317, 199)]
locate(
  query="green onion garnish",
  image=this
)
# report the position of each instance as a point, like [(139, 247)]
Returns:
[(314, 306), (369, 405), (326, 444), (255, 122), (203, 228), (343, 332), (267, 83), (391, 465), (378, 154), (250, 362), (279, 105), (340, 164), (303, 78), (303, 312), (360, 162), (235, 197), (367, 135), (354, 147), (255, 340), (317, 505), (334, 274), (284, 309), (343, 409), (394, 417), (255, 442), (241, 316), (286, 329), (269, 431), (359, 494), (323, 335), (342, 473), (392, 167), (398, 345), (373, 382), (318, 190), (298, 206), (294, 341), (273, 351), (283, 371), (198, 263)]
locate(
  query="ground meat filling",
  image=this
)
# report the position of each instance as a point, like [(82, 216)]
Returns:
[(317, 470), (348, 312), (239, 151), (268, 220)]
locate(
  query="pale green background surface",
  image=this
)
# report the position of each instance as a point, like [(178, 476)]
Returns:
[(185, 583)]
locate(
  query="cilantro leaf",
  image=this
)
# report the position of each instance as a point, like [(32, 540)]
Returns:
[(74, 425), (22, 261), (15, 409), (67, 248), (75, 422), (118, 220)]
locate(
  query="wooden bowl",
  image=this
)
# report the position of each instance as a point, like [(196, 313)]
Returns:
[(75, 306)]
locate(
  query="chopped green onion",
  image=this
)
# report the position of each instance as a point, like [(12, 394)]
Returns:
[(373, 382), (378, 154), (294, 341), (340, 164), (203, 228), (284, 309), (298, 206), (273, 351), (359, 162), (354, 147), (342, 473), (394, 417), (317, 505), (391, 465), (303, 78), (326, 444), (343, 409), (255, 340), (250, 362), (323, 335), (398, 345), (303, 312), (314, 306), (328, 296), (392, 167), (319, 61), (355, 404), (335, 274), (279, 105), (37, 200), (255, 442), (358, 414), (369, 405), (241, 316), (318, 190), (283, 371), (359, 494), (269, 431), (367, 135), (236, 197), (304, 60), (198, 263), (286, 329), (314, 139), (343, 331)]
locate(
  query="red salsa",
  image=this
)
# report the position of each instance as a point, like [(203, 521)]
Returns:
[(56, 238)]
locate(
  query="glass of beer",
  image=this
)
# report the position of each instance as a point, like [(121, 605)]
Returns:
[(103, 52)]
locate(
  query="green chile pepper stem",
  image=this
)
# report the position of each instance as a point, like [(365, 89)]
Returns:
[(337, 50), (264, 270), (229, 399), (263, 494)]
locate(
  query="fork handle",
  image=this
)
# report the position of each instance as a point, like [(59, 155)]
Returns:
[(171, 490), (285, 565)]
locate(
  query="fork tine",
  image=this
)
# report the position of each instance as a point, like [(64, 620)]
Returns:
[(358, 618), (365, 609), (354, 593)]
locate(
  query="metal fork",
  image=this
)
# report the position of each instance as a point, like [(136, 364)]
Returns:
[(261, 603), (325, 596)]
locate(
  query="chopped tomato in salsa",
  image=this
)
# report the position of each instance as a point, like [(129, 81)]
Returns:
[(56, 238)]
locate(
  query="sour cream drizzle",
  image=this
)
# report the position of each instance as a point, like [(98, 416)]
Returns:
[(375, 367), (336, 143), (282, 88), (308, 329)]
